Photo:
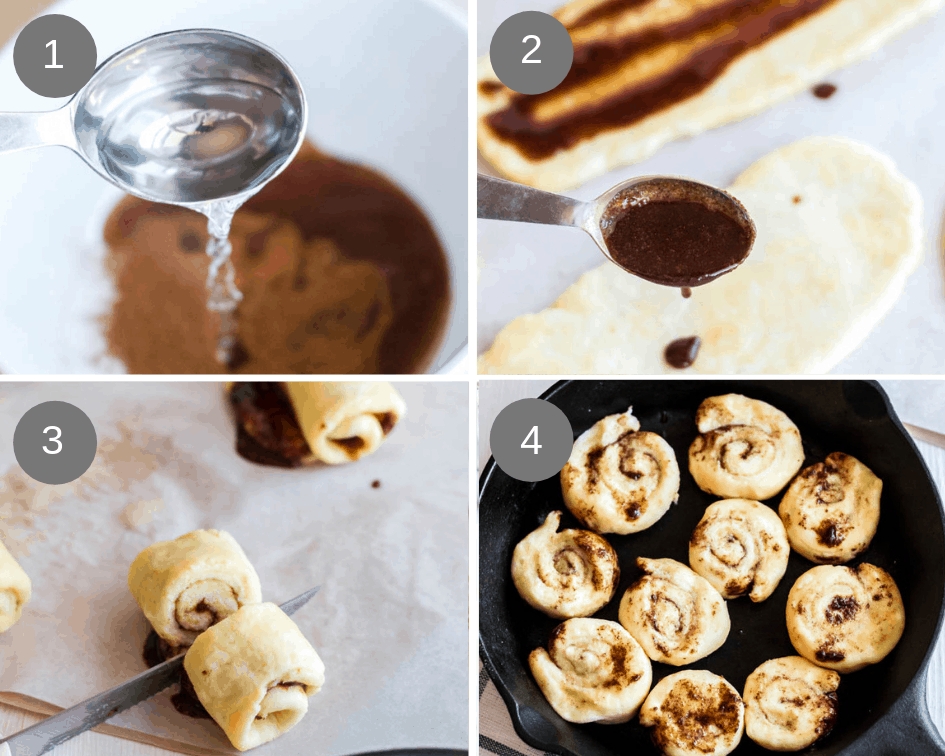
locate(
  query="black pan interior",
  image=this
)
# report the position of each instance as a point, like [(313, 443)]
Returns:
[(849, 416)]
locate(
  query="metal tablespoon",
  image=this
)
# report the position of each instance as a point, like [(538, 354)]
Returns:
[(505, 200), (185, 118)]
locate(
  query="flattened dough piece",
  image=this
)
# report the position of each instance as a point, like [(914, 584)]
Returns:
[(16, 589), (839, 232), (835, 36)]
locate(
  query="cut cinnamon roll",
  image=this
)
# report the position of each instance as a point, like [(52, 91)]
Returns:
[(746, 449), (831, 510), (619, 479), (676, 615), (740, 547), (568, 574), (254, 673), (187, 585), (592, 671), (790, 703), (845, 618), (15, 590), (304, 422), (694, 713)]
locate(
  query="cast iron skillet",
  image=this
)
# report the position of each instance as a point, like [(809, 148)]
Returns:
[(882, 709)]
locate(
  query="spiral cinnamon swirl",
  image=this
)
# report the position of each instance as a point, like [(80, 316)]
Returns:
[(618, 479), (740, 547), (790, 703), (186, 585), (676, 615), (831, 510), (16, 589), (844, 618), (592, 671), (694, 713), (568, 574), (745, 448)]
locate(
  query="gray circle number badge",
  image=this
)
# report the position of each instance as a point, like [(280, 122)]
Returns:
[(55, 443), (531, 52), (54, 56), (531, 440)]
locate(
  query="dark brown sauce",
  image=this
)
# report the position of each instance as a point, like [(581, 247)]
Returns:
[(267, 431), (681, 353), (157, 651), (375, 484), (829, 534), (686, 292), (674, 242), (369, 263), (824, 91), (734, 26)]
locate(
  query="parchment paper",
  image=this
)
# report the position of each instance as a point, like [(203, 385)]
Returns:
[(390, 621), (891, 101)]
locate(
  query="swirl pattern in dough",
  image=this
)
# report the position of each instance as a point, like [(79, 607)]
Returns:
[(568, 574), (845, 618), (619, 479), (746, 449), (790, 703), (740, 547), (592, 671), (831, 510), (694, 713), (676, 615)]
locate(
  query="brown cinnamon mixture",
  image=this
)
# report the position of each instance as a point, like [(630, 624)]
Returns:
[(340, 271)]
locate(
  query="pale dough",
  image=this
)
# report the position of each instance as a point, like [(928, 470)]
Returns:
[(16, 589)]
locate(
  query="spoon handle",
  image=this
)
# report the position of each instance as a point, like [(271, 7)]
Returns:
[(504, 200), (21, 131)]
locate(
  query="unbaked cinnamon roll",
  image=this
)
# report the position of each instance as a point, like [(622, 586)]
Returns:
[(15, 590), (740, 547), (694, 713), (844, 618), (619, 479), (592, 671), (831, 510), (186, 585), (790, 703), (568, 574), (746, 449), (254, 673), (676, 615)]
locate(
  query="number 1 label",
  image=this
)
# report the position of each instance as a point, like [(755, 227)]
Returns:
[(53, 43), (536, 446)]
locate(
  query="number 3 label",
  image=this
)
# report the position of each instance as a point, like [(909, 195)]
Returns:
[(55, 439), (527, 59), (536, 446)]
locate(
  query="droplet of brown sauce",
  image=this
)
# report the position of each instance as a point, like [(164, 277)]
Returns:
[(686, 292), (681, 353), (824, 91)]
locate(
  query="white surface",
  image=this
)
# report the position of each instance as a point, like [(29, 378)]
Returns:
[(906, 396), (384, 81), (390, 621), (890, 101)]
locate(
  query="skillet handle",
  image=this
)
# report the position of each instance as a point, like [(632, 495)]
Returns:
[(905, 730)]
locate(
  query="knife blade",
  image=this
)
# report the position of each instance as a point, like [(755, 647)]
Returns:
[(43, 736)]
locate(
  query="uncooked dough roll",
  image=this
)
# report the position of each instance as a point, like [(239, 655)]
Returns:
[(676, 615), (254, 673), (831, 510), (844, 618), (745, 448), (618, 479), (186, 585), (740, 547), (694, 713), (593, 671), (15, 590), (568, 574), (343, 422), (790, 703)]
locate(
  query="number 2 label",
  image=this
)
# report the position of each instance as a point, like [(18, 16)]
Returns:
[(54, 439), (536, 446), (527, 59)]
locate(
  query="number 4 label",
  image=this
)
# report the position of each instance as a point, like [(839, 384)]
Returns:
[(536, 446)]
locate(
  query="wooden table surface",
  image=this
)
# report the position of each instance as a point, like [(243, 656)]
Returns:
[(494, 395)]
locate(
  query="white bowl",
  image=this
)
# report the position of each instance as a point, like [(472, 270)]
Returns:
[(386, 86)]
